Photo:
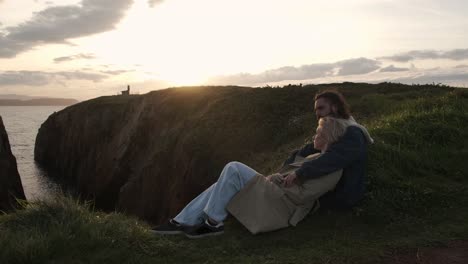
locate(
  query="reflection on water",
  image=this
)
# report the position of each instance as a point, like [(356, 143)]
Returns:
[(22, 124)]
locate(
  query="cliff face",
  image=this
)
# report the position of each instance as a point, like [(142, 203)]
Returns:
[(10, 181), (149, 155)]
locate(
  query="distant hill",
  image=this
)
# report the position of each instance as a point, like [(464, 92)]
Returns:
[(37, 102), (19, 97)]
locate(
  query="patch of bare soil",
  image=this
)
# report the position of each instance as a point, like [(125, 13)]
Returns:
[(455, 252)]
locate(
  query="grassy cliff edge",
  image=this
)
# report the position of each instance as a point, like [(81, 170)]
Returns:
[(417, 195)]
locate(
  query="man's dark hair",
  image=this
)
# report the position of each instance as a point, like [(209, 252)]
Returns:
[(337, 99)]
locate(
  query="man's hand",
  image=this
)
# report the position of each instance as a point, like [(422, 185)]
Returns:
[(289, 179)]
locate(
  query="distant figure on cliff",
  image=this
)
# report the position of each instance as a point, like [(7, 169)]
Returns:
[(327, 173)]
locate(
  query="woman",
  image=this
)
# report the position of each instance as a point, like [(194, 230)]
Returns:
[(260, 203)]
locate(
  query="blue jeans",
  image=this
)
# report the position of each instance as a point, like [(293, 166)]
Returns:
[(213, 201)]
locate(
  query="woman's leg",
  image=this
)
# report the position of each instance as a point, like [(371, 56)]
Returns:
[(233, 178), (193, 214), (213, 200)]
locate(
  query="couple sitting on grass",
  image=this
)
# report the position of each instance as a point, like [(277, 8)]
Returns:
[(327, 173)]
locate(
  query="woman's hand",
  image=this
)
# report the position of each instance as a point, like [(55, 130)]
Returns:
[(289, 179)]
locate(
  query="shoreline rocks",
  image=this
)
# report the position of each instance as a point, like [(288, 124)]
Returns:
[(10, 181)]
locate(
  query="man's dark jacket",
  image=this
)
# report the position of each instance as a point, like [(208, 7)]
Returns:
[(349, 154)]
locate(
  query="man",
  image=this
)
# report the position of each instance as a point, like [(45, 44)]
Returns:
[(349, 154)]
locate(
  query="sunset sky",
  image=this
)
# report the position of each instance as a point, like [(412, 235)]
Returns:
[(88, 48)]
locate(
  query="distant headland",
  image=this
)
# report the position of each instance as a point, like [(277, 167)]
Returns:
[(18, 100)]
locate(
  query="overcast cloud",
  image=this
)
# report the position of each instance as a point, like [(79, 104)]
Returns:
[(455, 54), (116, 72), (357, 66), (458, 78), (39, 78), (85, 56), (392, 68), (57, 24), (304, 72), (152, 3)]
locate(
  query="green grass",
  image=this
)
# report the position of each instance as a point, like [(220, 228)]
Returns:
[(417, 195)]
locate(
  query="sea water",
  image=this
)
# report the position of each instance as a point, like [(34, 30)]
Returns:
[(22, 124)]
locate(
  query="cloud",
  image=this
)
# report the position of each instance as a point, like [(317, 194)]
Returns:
[(75, 57), (280, 74), (392, 68), (445, 77), (116, 72), (455, 54), (153, 3), (57, 24), (398, 58), (39, 78), (78, 75), (354, 70), (29, 78), (304, 72), (357, 66), (449, 76)]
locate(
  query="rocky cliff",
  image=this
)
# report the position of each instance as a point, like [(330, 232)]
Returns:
[(150, 154), (10, 181)]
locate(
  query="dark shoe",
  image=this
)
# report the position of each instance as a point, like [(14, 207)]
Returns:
[(169, 228), (204, 230)]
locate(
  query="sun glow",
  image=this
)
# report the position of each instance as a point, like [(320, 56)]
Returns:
[(184, 47), (172, 43), (159, 44), (183, 42)]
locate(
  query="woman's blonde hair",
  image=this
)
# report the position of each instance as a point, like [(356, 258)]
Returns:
[(333, 128)]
